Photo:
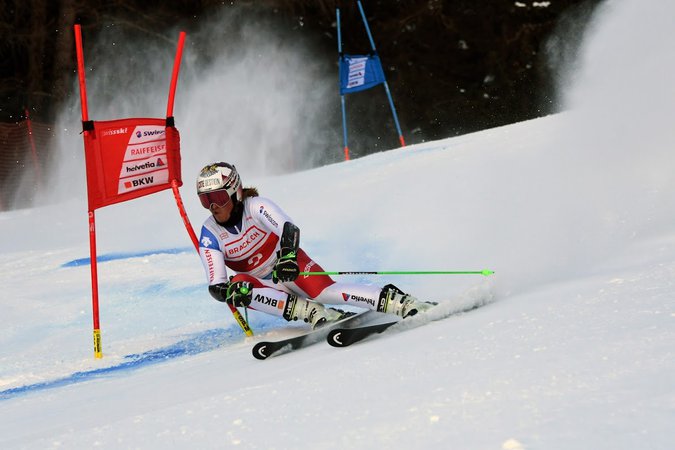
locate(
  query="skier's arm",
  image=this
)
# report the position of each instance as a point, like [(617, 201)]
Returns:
[(214, 265)]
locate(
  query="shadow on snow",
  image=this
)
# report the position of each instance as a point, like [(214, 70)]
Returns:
[(197, 343), (127, 255)]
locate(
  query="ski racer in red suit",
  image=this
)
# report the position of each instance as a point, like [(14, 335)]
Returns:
[(253, 237)]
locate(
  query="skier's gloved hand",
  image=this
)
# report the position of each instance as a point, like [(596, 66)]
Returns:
[(239, 293), (286, 268), (218, 291)]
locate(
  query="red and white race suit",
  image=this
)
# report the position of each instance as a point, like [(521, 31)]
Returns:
[(249, 248)]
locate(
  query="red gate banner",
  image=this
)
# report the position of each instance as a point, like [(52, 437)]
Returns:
[(130, 158)]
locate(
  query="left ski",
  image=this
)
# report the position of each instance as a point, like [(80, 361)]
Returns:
[(265, 349)]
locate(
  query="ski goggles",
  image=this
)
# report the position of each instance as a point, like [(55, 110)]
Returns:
[(219, 198)]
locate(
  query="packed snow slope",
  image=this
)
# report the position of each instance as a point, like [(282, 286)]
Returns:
[(556, 359), (571, 347)]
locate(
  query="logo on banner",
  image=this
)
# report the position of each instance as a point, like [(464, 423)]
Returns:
[(147, 181), (115, 131), (145, 160), (143, 167), (357, 72), (136, 167), (136, 151), (147, 133), (141, 181)]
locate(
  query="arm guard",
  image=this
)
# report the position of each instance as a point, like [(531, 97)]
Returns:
[(219, 291), (286, 267), (290, 238)]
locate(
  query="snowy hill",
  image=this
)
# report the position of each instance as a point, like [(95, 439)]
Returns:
[(573, 348)]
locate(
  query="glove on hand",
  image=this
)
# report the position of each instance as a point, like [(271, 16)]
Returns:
[(286, 268), (239, 293)]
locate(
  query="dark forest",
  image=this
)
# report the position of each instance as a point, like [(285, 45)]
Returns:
[(453, 66)]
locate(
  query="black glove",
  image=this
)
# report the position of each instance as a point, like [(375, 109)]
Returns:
[(239, 293), (286, 268)]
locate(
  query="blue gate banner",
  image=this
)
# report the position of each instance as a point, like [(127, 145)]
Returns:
[(360, 72)]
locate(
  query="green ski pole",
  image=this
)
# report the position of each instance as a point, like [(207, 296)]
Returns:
[(407, 272)]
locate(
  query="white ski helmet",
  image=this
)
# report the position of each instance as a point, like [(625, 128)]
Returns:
[(219, 183)]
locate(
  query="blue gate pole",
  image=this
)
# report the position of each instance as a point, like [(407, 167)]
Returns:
[(342, 96), (386, 86)]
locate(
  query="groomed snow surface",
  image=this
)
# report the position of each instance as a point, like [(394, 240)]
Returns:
[(571, 348)]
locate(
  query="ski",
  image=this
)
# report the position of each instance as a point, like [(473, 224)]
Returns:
[(264, 349), (343, 336)]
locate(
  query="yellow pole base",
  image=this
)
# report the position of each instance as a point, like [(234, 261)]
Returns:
[(98, 353)]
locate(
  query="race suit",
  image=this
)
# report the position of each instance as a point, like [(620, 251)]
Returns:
[(249, 248)]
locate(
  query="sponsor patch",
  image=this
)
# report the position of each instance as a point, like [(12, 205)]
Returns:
[(358, 299), (269, 218), (273, 302), (208, 240)]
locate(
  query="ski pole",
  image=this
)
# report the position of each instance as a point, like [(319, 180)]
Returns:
[(485, 272)]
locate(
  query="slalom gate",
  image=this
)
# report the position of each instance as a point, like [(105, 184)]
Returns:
[(127, 159), (360, 72)]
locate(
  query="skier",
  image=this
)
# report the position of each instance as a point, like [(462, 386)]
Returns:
[(252, 236)]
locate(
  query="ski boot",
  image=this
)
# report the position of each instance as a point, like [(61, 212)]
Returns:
[(395, 301), (311, 312)]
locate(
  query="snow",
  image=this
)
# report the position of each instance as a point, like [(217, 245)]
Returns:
[(571, 348)]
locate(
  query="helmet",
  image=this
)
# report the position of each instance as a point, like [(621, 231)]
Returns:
[(219, 183)]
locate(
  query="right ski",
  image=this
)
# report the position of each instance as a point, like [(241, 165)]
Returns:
[(343, 336), (265, 349)]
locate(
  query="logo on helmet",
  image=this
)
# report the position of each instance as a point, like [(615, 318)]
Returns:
[(209, 170), (209, 183)]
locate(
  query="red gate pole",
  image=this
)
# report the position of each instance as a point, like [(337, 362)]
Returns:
[(174, 184), (98, 352), (174, 75)]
